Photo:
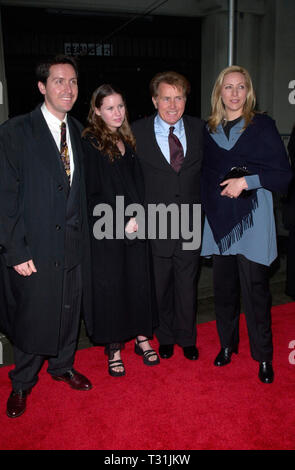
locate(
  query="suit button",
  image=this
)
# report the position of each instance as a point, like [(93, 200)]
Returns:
[(2, 249), (60, 187), (56, 264), (58, 227)]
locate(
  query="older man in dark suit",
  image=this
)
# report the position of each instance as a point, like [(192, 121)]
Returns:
[(169, 146), (43, 234)]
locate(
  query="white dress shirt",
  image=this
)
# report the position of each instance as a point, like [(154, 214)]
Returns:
[(162, 132), (54, 125)]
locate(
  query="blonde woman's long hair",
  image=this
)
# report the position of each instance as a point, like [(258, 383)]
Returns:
[(218, 110)]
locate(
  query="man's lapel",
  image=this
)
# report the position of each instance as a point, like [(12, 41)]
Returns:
[(191, 149), (156, 156), (76, 146), (45, 146)]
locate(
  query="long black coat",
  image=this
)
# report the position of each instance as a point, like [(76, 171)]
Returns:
[(33, 198), (123, 295)]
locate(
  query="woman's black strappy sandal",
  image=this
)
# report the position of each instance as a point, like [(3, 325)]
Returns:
[(146, 354), (110, 351)]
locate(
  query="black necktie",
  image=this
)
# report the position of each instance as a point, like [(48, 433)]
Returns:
[(176, 151), (64, 151)]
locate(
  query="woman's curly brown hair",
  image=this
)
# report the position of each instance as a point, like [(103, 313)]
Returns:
[(98, 132)]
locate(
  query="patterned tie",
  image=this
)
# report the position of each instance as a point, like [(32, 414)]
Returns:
[(64, 151), (176, 151)]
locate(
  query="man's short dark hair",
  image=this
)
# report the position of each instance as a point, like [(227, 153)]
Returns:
[(43, 68)]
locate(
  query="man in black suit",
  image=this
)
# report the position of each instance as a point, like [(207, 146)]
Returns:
[(43, 234), (172, 182)]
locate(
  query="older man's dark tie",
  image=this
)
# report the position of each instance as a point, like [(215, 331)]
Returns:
[(176, 151), (64, 151)]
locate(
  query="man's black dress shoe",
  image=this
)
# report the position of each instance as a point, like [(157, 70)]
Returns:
[(191, 352), (166, 350), (74, 379), (266, 374), (224, 356), (16, 403)]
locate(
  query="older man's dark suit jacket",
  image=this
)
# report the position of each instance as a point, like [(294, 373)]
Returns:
[(162, 183), (176, 303)]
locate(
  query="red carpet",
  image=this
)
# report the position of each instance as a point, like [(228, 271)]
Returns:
[(177, 405)]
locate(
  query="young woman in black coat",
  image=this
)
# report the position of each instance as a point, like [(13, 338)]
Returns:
[(123, 296)]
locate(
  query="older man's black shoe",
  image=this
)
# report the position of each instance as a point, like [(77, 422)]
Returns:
[(16, 403), (224, 356), (191, 352), (74, 379), (266, 373), (166, 350)]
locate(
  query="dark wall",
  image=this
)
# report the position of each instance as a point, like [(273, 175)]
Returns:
[(129, 56)]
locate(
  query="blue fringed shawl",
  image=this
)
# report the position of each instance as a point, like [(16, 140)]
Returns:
[(259, 149)]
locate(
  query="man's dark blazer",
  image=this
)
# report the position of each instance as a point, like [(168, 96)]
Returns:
[(36, 207), (162, 183)]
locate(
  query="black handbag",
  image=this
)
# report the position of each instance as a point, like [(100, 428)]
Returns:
[(238, 172)]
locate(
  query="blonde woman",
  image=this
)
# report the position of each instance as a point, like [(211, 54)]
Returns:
[(244, 161)]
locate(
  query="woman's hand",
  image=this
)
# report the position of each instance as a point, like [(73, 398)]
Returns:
[(233, 187), (131, 226)]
